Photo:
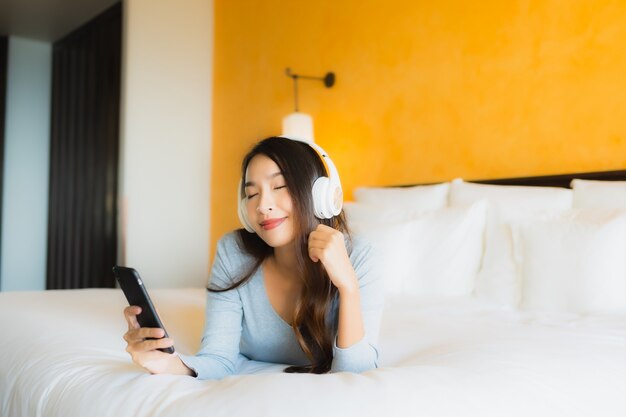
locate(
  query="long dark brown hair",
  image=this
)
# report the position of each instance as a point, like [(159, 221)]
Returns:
[(300, 166)]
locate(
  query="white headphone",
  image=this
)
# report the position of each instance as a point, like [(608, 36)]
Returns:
[(327, 192)]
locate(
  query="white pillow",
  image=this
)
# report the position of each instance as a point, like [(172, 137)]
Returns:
[(574, 262), (510, 200), (421, 197), (498, 280), (433, 254), (359, 214), (599, 194)]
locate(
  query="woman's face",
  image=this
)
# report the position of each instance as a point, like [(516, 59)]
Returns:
[(268, 202)]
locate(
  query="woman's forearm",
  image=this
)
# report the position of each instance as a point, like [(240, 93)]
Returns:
[(350, 329)]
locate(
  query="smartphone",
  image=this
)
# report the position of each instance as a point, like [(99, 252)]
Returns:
[(137, 295)]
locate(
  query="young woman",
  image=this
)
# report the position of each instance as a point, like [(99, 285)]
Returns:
[(292, 287)]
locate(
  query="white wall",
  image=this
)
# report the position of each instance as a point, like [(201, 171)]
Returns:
[(165, 140), (26, 166)]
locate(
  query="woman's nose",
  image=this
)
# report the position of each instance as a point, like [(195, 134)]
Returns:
[(266, 204)]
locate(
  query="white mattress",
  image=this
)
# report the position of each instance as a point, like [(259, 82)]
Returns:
[(62, 354)]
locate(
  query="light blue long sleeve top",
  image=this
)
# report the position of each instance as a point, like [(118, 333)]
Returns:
[(242, 321)]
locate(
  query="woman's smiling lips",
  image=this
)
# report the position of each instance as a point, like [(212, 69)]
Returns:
[(271, 223)]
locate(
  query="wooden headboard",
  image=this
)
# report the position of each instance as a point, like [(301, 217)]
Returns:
[(562, 180)]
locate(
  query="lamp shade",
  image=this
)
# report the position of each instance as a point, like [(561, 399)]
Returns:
[(298, 126)]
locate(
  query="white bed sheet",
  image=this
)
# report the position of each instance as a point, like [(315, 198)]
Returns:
[(62, 354)]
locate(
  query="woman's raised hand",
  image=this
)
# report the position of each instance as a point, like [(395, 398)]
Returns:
[(327, 245)]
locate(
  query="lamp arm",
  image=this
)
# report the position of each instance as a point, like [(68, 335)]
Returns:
[(328, 80)]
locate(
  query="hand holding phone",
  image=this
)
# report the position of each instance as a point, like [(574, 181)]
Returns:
[(137, 295)]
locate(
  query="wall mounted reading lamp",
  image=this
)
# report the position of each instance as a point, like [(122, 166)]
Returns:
[(300, 125)]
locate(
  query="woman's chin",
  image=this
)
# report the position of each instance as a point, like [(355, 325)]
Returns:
[(276, 241)]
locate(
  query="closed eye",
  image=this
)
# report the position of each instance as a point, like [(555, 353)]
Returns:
[(276, 188)]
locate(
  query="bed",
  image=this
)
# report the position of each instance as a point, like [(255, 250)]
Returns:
[(464, 331)]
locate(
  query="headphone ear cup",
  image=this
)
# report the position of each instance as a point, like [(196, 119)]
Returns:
[(243, 216), (242, 211), (335, 198), (320, 198)]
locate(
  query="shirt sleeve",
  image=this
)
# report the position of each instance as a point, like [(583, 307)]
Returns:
[(363, 355), (219, 348)]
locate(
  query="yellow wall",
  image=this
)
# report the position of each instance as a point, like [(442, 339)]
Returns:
[(426, 90)]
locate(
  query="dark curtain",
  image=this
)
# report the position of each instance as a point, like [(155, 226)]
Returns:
[(84, 143), (4, 50)]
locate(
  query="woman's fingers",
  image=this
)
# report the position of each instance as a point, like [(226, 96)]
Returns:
[(130, 313), (319, 248), (317, 245), (158, 343), (319, 241), (149, 345), (324, 238), (150, 332), (143, 333), (314, 254)]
